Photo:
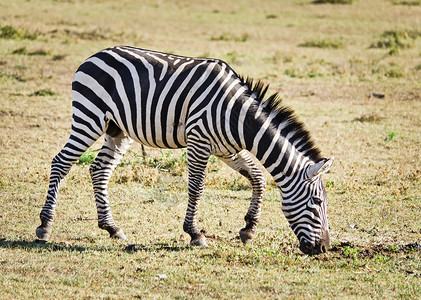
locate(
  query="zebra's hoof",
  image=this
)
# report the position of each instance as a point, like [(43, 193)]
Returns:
[(199, 241), (43, 233), (246, 235), (119, 234)]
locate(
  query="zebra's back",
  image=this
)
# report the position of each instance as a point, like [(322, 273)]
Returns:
[(148, 94)]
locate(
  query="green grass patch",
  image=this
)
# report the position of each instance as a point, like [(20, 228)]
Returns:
[(395, 40), (167, 162), (394, 73), (333, 2), (407, 3), (24, 51), (4, 76), (11, 33), (43, 93), (390, 136), (87, 157), (323, 44), (230, 37), (313, 74), (8, 32)]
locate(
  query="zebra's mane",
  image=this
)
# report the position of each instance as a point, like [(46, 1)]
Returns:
[(301, 138)]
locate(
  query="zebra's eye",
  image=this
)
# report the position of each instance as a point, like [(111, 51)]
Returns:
[(317, 201)]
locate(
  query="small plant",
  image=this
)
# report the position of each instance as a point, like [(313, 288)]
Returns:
[(213, 164), (323, 44), (390, 136), (381, 258), (351, 252), (87, 157), (393, 248), (329, 184), (43, 92)]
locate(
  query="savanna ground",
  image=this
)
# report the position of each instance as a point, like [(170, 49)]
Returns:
[(352, 72)]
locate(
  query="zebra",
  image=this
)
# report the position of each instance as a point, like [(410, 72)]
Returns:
[(168, 101)]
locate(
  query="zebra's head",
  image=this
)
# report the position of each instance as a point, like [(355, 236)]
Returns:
[(304, 205)]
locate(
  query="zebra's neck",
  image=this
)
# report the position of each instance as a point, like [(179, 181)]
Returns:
[(277, 146), (275, 136)]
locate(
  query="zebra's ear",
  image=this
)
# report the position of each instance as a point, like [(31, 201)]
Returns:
[(319, 168)]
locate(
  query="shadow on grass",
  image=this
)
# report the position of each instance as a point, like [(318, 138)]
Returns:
[(41, 246), (157, 247)]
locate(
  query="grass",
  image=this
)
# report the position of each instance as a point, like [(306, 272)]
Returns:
[(10, 32), (87, 157), (361, 105), (333, 1), (229, 37), (407, 3), (323, 44), (43, 93), (390, 136), (371, 118), (395, 40)]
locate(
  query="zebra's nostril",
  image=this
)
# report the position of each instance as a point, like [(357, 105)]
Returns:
[(323, 249)]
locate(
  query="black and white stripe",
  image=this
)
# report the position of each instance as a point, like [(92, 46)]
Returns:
[(168, 101)]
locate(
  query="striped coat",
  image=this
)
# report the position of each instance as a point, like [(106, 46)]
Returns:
[(168, 101)]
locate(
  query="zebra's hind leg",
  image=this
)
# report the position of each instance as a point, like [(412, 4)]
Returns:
[(243, 163), (115, 146), (60, 166), (197, 157)]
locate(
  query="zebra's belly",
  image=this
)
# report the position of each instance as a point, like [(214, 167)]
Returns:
[(169, 137)]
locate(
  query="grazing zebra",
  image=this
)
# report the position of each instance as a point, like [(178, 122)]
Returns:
[(168, 101)]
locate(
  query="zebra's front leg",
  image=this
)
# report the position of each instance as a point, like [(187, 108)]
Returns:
[(243, 163), (101, 169), (197, 160)]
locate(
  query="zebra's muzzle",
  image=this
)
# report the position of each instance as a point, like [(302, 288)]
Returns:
[(319, 247)]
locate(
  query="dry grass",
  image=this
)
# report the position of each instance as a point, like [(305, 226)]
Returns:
[(374, 187)]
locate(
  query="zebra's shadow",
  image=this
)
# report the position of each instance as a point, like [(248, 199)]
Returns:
[(40, 246), (157, 247)]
